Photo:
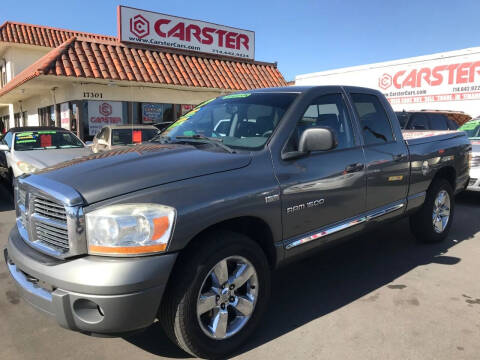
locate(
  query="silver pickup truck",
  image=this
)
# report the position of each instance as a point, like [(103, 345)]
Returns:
[(188, 227)]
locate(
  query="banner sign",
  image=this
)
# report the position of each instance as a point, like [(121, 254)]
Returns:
[(103, 113), (155, 29), (65, 116), (152, 113)]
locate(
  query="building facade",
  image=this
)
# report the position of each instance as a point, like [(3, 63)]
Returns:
[(82, 81)]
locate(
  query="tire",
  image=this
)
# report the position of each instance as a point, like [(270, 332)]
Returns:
[(193, 276), (422, 222)]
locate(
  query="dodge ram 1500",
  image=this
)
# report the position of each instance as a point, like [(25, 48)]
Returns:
[(188, 227)]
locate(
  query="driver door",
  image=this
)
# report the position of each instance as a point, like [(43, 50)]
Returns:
[(323, 189)]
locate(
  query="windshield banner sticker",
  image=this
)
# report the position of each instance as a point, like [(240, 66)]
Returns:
[(236, 96)]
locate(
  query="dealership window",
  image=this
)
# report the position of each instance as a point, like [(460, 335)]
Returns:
[(154, 113), (20, 119), (47, 116)]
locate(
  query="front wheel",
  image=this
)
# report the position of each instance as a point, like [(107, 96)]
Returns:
[(216, 295), (433, 221)]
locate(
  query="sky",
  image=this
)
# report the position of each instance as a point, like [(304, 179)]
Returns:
[(302, 36)]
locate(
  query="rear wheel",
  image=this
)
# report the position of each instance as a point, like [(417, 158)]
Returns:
[(433, 221), (216, 295)]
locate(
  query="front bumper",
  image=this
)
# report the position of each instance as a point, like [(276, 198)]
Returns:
[(474, 183), (92, 294)]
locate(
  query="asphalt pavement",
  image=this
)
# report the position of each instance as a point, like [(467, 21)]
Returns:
[(379, 296)]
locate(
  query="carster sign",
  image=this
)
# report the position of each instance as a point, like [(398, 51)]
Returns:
[(155, 29), (444, 81)]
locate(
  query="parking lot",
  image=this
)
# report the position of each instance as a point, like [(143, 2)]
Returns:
[(381, 296)]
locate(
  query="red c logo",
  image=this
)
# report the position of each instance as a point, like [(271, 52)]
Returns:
[(105, 109), (139, 26), (385, 81)]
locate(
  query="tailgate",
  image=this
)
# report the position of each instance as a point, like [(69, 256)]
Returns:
[(414, 137)]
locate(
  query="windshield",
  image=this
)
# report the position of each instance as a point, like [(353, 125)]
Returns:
[(472, 128), (242, 121), (45, 140), (402, 118), (132, 136)]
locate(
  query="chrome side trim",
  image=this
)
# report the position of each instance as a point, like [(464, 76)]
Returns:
[(328, 231), (416, 196), (28, 286), (385, 211), (345, 225)]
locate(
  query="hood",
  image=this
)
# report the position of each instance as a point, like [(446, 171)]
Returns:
[(127, 169), (46, 158)]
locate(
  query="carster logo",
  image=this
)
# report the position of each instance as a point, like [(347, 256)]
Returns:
[(139, 26), (105, 109), (385, 81)]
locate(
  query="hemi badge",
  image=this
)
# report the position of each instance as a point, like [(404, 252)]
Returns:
[(395, 178), (272, 198)]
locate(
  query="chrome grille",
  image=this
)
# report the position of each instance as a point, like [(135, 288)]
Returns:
[(49, 209), (475, 162), (53, 236), (50, 217)]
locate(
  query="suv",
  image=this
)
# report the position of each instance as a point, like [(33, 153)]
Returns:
[(432, 119)]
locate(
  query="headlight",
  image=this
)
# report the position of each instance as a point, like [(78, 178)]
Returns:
[(26, 167), (129, 229)]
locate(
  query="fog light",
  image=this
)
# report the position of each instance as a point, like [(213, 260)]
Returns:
[(88, 311)]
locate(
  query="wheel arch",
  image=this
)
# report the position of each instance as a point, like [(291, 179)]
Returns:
[(255, 228), (448, 173)]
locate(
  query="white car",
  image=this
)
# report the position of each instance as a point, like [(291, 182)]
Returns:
[(472, 128), (113, 136), (28, 149)]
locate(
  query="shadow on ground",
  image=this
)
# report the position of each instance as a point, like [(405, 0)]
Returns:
[(329, 280)]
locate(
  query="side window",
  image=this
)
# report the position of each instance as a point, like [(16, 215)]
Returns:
[(8, 139), (376, 127), (326, 111), (452, 125), (101, 134), (438, 122), (419, 122)]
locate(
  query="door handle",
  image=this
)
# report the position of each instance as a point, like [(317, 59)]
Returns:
[(398, 157), (353, 168)]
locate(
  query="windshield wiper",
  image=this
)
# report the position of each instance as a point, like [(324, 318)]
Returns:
[(213, 141), (162, 139)]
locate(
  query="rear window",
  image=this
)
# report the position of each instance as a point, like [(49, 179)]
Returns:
[(438, 122), (132, 136), (402, 118), (376, 127), (45, 140)]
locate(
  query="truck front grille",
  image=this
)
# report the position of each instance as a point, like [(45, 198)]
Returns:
[(49, 209), (52, 236), (475, 162)]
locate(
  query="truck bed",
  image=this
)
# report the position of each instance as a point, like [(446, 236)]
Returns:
[(416, 137)]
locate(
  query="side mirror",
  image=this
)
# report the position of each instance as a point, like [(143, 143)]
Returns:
[(317, 139), (313, 139), (4, 147)]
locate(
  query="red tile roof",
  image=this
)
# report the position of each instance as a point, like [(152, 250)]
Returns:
[(80, 58), (20, 33)]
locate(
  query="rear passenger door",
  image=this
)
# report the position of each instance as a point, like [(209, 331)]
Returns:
[(386, 154)]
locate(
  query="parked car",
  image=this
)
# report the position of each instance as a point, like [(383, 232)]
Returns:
[(472, 129), (114, 136), (432, 119), (188, 228), (25, 150)]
